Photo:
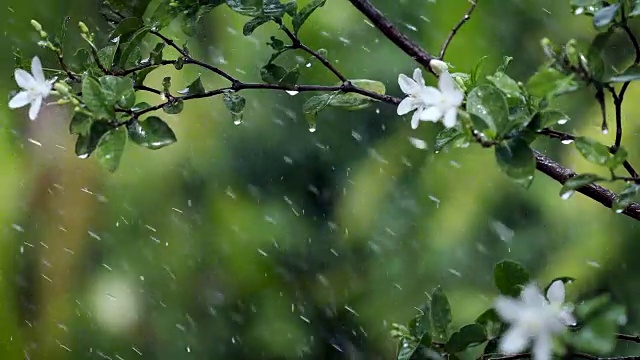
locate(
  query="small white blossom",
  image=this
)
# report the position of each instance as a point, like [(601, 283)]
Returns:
[(35, 88), (534, 319), (430, 103)]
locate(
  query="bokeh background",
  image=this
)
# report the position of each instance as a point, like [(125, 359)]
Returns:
[(268, 241)]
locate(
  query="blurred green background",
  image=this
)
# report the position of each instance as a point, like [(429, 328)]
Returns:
[(267, 241)]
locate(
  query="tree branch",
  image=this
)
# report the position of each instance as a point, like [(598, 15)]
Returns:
[(455, 29), (392, 33), (598, 193)]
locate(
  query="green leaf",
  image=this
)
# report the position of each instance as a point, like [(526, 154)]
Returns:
[(632, 73), (270, 8), (129, 49), (626, 197), (592, 150), (355, 101), (491, 323), (549, 83), (314, 105), (299, 19), (635, 11), (605, 16), (547, 118), (516, 159), (118, 90), (446, 136), (272, 73), (141, 75), (595, 58), (195, 88), (276, 44), (95, 99), (468, 336), (156, 54), (488, 103), (251, 25), (506, 84), (235, 104), (440, 314), (106, 55), (420, 325), (510, 277), (80, 124), (152, 133), (126, 27), (173, 107), (577, 182), (111, 147), (87, 143)]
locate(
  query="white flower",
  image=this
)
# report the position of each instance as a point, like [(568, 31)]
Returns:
[(429, 103), (534, 319), (35, 88)]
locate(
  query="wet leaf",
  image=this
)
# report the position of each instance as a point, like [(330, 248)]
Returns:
[(516, 160), (251, 25), (440, 314), (510, 277), (488, 103), (174, 107), (577, 182), (87, 143), (111, 147), (592, 150), (152, 133), (195, 88), (301, 16), (605, 16), (468, 336)]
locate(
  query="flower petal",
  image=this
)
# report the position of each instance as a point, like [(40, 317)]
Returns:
[(36, 70), (432, 113), (542, 347), (24, 79), (450, 118), (407, 104), (514, 340), (35, 108), (450, 89), (407, 85), (417, 77), (566, 317), (415, 119), (19, 100), (531, 296), (430, 95), (508, 309), (556, 293)]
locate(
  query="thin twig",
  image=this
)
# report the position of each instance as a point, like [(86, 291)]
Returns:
[(297, 44), (555, 134), (455, 29), (626, 337), (189, 60)]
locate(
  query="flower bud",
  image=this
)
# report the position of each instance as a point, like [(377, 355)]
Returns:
[(438, 66), (36, 25), (83, 27)]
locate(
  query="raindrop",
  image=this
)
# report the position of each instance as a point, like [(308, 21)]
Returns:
[(593, 263), (567, 194), (418, 143), (292, 93), (237, 122), (308, 65), (312, 128), (605, 131), (567, 141), (562, 121)]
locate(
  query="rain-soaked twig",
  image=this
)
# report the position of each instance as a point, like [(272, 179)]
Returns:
[(456, 28), (392, 33)]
